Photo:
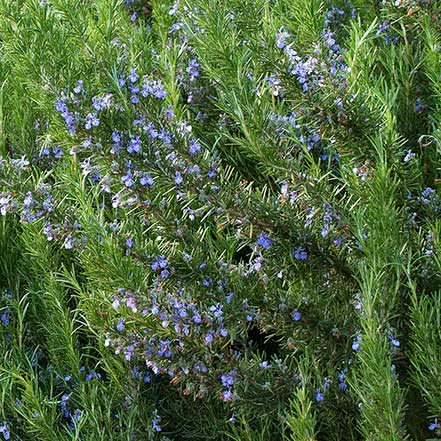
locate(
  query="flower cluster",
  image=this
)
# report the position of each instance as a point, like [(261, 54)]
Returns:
[(312, 72), (4, 430)]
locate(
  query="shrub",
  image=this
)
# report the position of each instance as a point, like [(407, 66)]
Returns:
[(225, 219)]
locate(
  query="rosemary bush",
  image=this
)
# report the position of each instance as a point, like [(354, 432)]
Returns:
[(220, 219)]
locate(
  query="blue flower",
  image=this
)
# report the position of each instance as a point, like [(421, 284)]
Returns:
[(193, 69), (194, 170), (60, 105), (216, 310), (5, 430), (128, 179), (342, 380), (419, 105), (428, 192), (155, 422), (178, 178), (77, 415), (394, 341), (101, 103), (116, 137), (330, 41), (356, 343), (58, 153), (300, 254), (227, 379), (159, 262), (134, 145), (91, 121), (92, 375), (383, 27), (264, 241), (319, 397), (223, 332), (194, 147), (120, 325), (69, 243), (146, 180), (227, 396), (433, 425), (264, 365), (281, 39), (390, 39), (133, 76), (4, 318), (274, 83), (296, 316), (209, 337), (79, 87)]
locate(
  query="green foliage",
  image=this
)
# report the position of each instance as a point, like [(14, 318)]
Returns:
[(280, 281)]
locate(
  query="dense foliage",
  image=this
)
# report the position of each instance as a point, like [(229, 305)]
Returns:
[(220, 219)]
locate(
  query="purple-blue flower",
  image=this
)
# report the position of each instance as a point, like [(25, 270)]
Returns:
[(69, 243), (342, 380), (127, 179), (178, 178), (146, 180), (5, 431), (159, 262), (120, 325), (296, 316), (274, 83), (319, 397), (227, 379), (133, 76), (394, 341), (432, 426), (79, 87), (91, 121), (383, 27), (209, 337), (281, 39), (264, 241), (134, 145), (193, 69), (227, 396), (194, 147), (356, 343), (155, 422), (300, 254)]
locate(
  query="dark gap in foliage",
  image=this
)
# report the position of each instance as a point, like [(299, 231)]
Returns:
[(415, 414), (242, 255), (264, 343)]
